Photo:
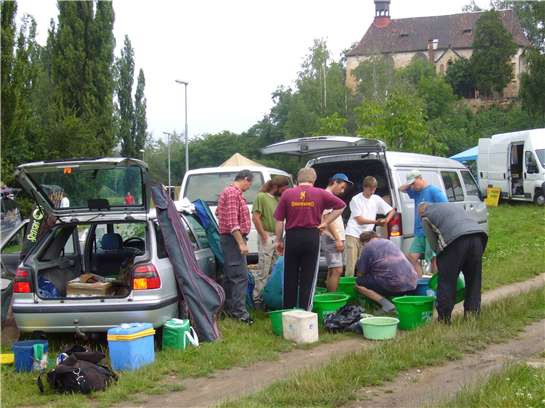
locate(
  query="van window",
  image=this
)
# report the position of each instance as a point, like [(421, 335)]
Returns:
[(469, 182), (541, 156), (208, 187), (431, 177), (531, 165), (453, 187)]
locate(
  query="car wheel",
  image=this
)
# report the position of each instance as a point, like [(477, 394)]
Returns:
[(539, 199)]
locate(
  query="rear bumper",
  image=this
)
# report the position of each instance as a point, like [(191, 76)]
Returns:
[(92, 318)]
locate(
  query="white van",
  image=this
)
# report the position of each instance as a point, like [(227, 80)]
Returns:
[(208, 183), (514, 162), (358, 158)]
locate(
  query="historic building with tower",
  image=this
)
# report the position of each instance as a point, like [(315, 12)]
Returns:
[(440, 39)]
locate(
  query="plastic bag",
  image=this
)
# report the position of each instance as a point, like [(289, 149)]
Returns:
[(345, 319), (46, 289)]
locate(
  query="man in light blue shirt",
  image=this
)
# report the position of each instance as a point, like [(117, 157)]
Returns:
[(420, 191)]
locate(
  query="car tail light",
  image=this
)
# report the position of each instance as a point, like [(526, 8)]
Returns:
[(145, 276), (395, 228), (22, 283)]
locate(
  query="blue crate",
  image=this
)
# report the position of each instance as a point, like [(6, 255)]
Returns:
[(131, 346)]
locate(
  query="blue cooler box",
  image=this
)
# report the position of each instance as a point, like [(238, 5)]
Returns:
[(131, 346)]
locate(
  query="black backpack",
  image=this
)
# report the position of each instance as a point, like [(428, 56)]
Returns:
[(79, 373)]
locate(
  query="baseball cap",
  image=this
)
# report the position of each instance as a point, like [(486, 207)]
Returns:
[(341, 177), (412, 175)]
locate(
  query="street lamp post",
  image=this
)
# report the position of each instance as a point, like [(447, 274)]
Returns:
[(185, 83), (168, 149)]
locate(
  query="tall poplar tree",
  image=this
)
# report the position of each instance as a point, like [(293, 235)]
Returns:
[(125, 107), (140, 128), (7, 39)]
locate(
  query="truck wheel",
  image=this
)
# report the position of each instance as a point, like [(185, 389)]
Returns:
[(539, 199)]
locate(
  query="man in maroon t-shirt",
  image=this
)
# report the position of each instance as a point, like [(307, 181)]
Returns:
[(301, 209)]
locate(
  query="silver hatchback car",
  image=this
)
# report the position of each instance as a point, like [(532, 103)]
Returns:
[(102, 262)]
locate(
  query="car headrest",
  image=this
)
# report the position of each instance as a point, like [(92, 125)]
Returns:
[(111, 242)]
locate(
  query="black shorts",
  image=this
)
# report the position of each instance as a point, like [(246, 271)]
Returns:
[(369, 282)]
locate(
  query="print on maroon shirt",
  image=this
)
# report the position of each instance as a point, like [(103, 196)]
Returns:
[(302, 206)]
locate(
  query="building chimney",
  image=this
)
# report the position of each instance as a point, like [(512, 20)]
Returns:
[(382, 13), (432, 46)]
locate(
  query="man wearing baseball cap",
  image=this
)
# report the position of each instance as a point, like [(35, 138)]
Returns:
[(420, 191), (332, 240)]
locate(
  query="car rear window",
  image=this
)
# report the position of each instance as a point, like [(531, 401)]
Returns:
[(73, 187), (209, 186)]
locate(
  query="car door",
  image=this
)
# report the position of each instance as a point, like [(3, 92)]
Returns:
[(11, 250), (203, 252), (531, 173), (473, 203)]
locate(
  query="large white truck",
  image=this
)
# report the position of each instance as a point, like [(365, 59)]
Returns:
[(515, 163)]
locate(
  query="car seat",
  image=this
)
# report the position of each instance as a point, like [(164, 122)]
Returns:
[(112, 255)]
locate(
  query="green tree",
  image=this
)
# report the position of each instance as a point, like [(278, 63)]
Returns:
[(375, 77), (140, 121), (125, 107), (8, 103), (531, 15), (532, 85), (399, 121), (80, 52), (460, 76), (334, 124), (103, 50), (493, 48)]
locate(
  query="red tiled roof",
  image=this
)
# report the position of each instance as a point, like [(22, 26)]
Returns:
[(412, 34)]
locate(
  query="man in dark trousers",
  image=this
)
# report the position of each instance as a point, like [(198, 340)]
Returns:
[(234, 227), (459, 242), (301, 209)]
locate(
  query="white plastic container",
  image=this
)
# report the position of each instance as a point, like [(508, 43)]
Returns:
[(300, 326)]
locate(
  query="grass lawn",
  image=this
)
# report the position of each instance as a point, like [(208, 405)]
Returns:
[(518, 386), (516, 244), (337, 382), (515, 253), (241, 345)]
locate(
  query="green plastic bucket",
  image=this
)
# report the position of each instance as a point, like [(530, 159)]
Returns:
[(174, 334), (347, 284), (460, 286), (379, 328), (413, 311), (276, 320), (329, 302)]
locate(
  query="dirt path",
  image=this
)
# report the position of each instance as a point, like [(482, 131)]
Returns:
[(426, 387), (241, 381)]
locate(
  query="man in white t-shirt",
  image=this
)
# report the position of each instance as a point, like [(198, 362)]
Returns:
[(332, 240), (364, 208)]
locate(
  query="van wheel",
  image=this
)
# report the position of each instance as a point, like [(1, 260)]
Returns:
[(539, 199)]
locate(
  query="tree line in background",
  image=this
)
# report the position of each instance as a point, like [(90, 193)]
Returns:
[(411, 109), (70, 97)]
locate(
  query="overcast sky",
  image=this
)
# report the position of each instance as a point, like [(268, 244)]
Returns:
[(233, 53)]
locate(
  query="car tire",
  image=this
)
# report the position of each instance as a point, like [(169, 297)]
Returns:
[(539, 199)]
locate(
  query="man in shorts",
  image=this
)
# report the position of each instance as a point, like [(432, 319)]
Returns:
[(333, 237), (420, 191)]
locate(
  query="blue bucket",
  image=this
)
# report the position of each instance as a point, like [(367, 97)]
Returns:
[(24, 353), (422, 286)]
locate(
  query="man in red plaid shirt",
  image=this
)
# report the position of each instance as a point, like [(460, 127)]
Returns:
[(234, 227)]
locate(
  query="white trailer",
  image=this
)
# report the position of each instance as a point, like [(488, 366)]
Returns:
[(514, 162)]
